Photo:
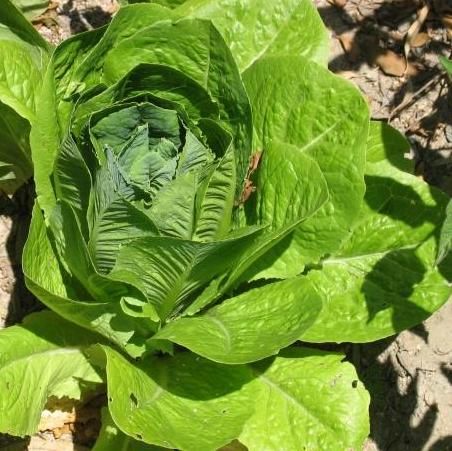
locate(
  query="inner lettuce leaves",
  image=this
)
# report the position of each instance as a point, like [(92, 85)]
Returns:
[(206, 198)]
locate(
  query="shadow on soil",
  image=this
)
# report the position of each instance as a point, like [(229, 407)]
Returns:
[(370, 38), (18, 208), (391, 408)]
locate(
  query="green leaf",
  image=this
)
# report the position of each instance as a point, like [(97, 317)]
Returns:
[(32, 8), (383, 279), (196, 48), (284, 174), (290, 188), (445, 241), (14, 150), (299, 103), (251, 326), (447, 64), (169, 401), (215, 201), (169, 270), (13, 20), (173, 207), (254, 29), (47, 281), (309, 399), (40, 358), (112, 438), (73, 181), (23, 56)]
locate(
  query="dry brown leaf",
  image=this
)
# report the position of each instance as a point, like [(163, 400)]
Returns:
[(415, 28), (391, 63), (420, 40)]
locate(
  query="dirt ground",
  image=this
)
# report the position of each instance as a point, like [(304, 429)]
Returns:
[(409, 376)]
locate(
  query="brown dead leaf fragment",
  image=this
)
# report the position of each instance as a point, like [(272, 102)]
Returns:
[(391, 63), (338, 3)]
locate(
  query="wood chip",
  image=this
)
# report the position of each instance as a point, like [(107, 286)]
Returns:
[(391, 63), (420, 40)]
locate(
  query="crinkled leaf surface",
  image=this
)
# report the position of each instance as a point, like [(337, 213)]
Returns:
[(197, 48), (56, 289), (298, 102), (251, 326), (23, 55), (40, 358), (309, 399), (384, 278), (32, 8), (168, 270), (254, 29), (183, 402)]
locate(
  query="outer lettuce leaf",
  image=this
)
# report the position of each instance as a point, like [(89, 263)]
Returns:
[(309, 399), (251, 326), (254, 29), (297, 102), (31, 8), (282, 207), (167, 270), (445, 241), (23, 56), (384, 278), (111, 438), (182, 402), (56, 290), (40, 358)]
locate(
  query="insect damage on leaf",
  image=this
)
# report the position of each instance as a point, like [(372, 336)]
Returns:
[(249, 188)]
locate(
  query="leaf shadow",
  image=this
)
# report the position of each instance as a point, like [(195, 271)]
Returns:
[(18, 208), (394, 400)]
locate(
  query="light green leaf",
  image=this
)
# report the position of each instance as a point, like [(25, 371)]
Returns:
[(215, 201), (40, 358), (48, 282), (445, 240), (169, 401), (290, 188), (447, 64), (32, 8), (383, 279), (251, 326), (254, 29), (112, 438), (23, 56), (169, 270), (14, 150), (309, 399), (297, 102), (73, 181)]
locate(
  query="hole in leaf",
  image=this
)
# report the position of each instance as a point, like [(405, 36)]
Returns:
[(134, 399), (354, 384)]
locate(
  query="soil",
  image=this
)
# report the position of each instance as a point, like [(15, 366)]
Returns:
[(408, 376)]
